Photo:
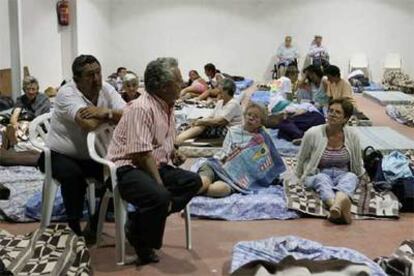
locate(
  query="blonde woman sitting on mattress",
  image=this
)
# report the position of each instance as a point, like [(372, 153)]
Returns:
[(196, 86), (330, 161), (237, 136)]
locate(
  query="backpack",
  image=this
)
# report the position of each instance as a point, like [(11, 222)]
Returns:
[(372, 159)]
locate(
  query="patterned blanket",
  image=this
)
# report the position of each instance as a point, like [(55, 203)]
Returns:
[(367, 203), (55, 250)]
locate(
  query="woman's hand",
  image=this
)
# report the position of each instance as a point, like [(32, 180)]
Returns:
[(177, 158)]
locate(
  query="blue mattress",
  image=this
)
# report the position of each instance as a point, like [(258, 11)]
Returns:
[(389, 97)]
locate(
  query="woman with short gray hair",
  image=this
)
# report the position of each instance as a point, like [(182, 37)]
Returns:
[(27, 107), (226, 114)]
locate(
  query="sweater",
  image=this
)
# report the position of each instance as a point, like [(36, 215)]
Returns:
[(313, 145)]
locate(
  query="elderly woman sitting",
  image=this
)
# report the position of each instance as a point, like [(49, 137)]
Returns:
[(330, 161), (226, 114), (256, 162), (27, 107), (130, 87)]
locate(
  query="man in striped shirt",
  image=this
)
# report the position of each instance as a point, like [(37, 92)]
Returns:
[(142, 148)]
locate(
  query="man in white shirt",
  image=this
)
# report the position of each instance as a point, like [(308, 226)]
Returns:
[(226, 114), (80, 106)]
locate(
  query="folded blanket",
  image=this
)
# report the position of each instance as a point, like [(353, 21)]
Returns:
[(367, 203)]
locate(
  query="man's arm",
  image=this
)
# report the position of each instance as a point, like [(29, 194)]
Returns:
[(146, 162)]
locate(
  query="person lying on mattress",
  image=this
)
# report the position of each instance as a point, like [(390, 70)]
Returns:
[(196, 86), (227, 113), (214, 78), (248, 160), (330, 161), (292, 119)]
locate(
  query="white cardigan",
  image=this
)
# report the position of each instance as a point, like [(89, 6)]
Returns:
[(313, 145)]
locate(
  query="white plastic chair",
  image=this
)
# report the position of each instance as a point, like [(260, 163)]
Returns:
[(38, 129), (393, 62), (98, 141), (359, 61)]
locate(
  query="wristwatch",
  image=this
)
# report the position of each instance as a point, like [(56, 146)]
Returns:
[(110, 114)]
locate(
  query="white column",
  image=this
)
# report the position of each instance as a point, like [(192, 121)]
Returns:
[(16, 57)]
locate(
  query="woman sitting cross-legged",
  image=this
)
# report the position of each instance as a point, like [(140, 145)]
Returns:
[(227, 113), (330, 161), (196, 86), (248, 160)]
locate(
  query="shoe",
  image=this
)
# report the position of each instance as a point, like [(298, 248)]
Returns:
[(340, 212), (146, 255), (90, 236)]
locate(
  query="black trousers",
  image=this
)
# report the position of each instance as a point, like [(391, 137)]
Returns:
[(72, 174), (146, 225)]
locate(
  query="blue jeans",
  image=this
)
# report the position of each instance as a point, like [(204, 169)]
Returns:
[(330, 180)]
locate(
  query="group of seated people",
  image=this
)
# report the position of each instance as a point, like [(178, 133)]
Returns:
[(145, 145), (287, 55)]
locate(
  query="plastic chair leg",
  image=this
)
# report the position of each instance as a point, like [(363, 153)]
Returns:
[(188, 227), (48, 198), (101, 219), (120, 220)]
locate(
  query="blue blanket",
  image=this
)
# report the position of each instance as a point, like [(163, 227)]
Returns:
[(284, 147), (241, 85), (261, 97), (267, 203), (277, 248)]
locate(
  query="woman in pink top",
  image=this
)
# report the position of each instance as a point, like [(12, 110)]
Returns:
[(196, 86)]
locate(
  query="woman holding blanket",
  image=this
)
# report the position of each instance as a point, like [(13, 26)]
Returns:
[(248, 160), (330, 161)]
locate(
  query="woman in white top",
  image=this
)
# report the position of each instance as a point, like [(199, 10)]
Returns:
[(286, 55), (227, 113)]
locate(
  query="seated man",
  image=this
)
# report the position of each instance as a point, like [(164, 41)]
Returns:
[(337, 87), (27, 107), (142, 148), (318, 53), (81, 105), (227, 113), (214, 78)]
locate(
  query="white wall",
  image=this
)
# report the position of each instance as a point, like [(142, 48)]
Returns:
[(241, 36), (4, 34), (94, 31), (41, 41)]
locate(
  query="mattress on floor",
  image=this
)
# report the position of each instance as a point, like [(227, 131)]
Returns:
[(389, 97), (384, 139), (244, 84)]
